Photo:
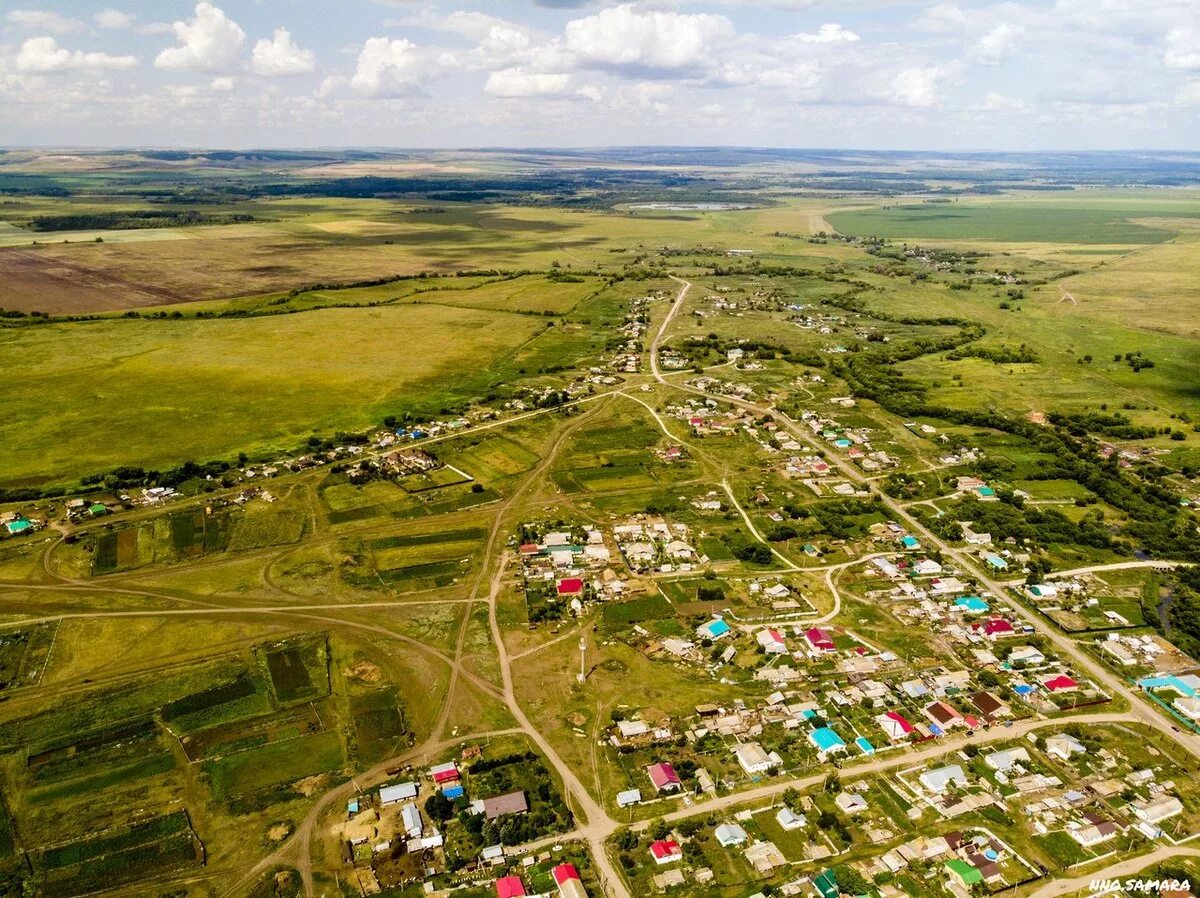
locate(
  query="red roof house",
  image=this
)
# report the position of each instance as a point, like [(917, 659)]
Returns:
[(664, 777), (666, 851), (819, 640), (572, 586), (901, 721), (444, 773), (530, 548), (563, 872), (1061, 683), (510, 887), (997, 628)]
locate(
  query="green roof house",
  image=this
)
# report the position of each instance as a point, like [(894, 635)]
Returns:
[(826, 885), (98, 509), (965, 873)]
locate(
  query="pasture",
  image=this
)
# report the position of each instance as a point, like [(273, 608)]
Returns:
[(267, 382)]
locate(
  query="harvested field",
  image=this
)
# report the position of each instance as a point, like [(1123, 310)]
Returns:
[(36, 280)]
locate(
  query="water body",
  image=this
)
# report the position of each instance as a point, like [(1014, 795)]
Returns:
[(692, 207)]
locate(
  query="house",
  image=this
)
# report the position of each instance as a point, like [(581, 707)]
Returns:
[(943, 715), (570, 586), (927, 567), (666, 851), (629, 797), (789, 820), (826, 884), (827, 741), (596, 554), (965, 874), (940, 779), (664, 778), (1062, 746), (1006, 760), (819, 640), (895, 725), (632, 729), (730, 834), (1027, 655), (444, 773), (971, 605), (996, 563), (1061, 683), (911, 543), (1157, 809), (1094, 833), (996, 628), (1043, 591), (566, 877), (754, 759), (713, 630), (989, 705), (850, 802), (510, 887), (410, 816), (492, 854), (772, 642), (502, 805), (390, 795), (1188, 707), (973, 538)]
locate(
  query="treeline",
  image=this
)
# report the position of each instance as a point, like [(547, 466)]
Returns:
[(997, 355), (136, 218), (1110, 424)]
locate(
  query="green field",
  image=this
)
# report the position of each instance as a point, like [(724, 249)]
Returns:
[(1042, 221), (267, 382)]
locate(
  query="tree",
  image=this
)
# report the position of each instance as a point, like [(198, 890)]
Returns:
[(438, 807), (625, 839), (850, 881)]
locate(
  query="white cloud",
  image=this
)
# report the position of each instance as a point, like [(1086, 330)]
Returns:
[(944, 17), (523, 83), (209, 42), (1183, 49), (997, 102), (828, 34), (626, 37), (916, 86), (43, 20), (43, 55), (1189, 94), (281, 56), (221, 84), (389, 68), (113, 19), (993, 47)]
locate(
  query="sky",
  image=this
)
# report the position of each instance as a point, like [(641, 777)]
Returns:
[(871, 74)]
